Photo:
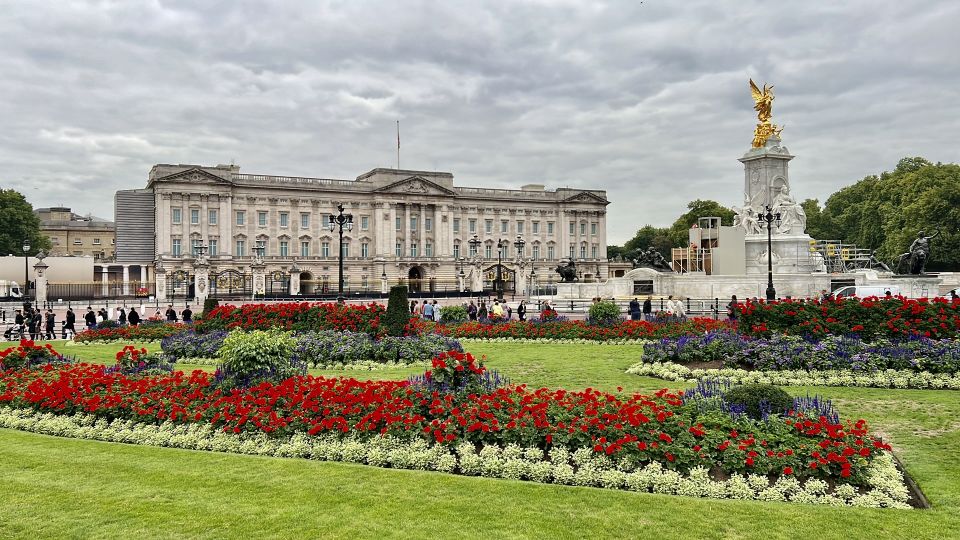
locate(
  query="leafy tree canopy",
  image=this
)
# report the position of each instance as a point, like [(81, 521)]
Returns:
[(17, 223)]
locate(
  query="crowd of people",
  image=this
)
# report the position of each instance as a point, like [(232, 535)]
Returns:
[(34, 323), (430, 310)]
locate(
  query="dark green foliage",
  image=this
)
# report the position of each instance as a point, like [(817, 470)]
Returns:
[(453, 314), (398, 311), (210, 304), (604, 314), (19, 223), (759, 399), (109, 323)]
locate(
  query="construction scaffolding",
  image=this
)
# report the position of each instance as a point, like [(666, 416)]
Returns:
[(839, 257)]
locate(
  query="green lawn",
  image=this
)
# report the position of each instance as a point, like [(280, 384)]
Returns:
[(62, 487)]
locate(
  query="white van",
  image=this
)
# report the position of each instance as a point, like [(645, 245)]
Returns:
[(9, 289), (863, 291)]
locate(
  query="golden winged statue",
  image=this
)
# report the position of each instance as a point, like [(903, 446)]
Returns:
[(763, 104)]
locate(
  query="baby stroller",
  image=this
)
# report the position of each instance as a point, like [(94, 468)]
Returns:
[(13, 332)]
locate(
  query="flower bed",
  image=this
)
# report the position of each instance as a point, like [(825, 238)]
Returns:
[(575, 330), (884, 483), (299, 316), (143, 332), (779, 352), (887, 378), (869, 318), (678, 432)]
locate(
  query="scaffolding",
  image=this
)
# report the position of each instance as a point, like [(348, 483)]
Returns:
[(697, 257), (839, 257)]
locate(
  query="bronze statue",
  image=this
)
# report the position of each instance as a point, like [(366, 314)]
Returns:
[(651, 258), (916, 258), (568, 273), (763, 104)]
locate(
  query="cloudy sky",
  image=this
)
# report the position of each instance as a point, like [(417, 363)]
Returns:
[(647, 100)]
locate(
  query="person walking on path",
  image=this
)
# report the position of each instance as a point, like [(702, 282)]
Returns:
[(171, 314), (522, 310), (472, 311), (122, 317), (427, 311), (134, 317), (482, 312), (732, 309), (32, 324), (648, 309), (70, 329), (187, 315), (634, 310), (50, 322), (90, 318)]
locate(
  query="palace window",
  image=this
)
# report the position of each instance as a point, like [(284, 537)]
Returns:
[(195, 246), (262, 219), (594, 250), (241, 248), (176, 249), (364, 223), (488, 226), (194, 216), (536, 227), (399, 221), (284, 248), (212, 245), (96, 241), (212, 217), (364, 250), (304, 248), (304, 220), (473, 226), (504, 226), (284, 219), (456, 251), (583, 252), (488, 251), (550, 228), (519, 227), (428, 224), (176, 216), (583, 229), (325, 249), (593, 228), (551, 255), (456, 225), (573, 228), (241, 217), (536, 252), (413, 249), (399, 249), (428, 250), (413, 223), (345, 249)]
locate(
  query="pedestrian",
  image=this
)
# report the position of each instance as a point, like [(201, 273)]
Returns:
[(50, 324), (134, 317), (19, 322), (31, 324), (122, 317), (634, 310), (953, 296), (679, 309), (497, 309), (69, 329), (427, 313), (482, 312), (732, 309), (171, 314), (472, 311), (522, 310), (648, 308), (509, 311), (90, 318), (413, 307), (436, 312), (187, 315), (103, 314)]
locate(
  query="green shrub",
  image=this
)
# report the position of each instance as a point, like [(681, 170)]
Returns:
[(453, 314), (758, 399), (109, 323), (210, 304), (604, 313), (398, 311), (249, 357)]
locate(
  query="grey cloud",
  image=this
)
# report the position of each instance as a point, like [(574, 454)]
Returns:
[(647, 100)]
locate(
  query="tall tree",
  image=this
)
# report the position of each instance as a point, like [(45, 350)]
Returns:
[(814, 213), (19, 223), (648, 236)]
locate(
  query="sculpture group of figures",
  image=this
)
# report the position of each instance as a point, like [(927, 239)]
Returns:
[(793, 218), (651, 258), (915, 260)]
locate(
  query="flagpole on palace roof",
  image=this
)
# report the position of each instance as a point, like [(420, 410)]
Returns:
[(398, 145)]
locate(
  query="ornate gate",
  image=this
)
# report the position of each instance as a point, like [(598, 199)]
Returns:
[(231, 283), (278, 283), (179, 285)]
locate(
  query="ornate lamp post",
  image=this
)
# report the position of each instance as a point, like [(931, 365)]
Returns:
[(475, 252), (533, 280), (461, 276), (769, 218), (498, 286), (519, 244), (340, 221), (25, 290)]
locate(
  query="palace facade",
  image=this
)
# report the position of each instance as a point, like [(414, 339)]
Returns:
[(408, 226)]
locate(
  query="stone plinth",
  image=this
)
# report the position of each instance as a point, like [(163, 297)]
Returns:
[(791, 255)]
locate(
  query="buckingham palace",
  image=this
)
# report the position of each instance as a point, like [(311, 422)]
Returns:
[(412, 227)]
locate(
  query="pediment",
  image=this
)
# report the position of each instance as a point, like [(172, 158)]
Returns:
[(586, 196), (415, 185), (194, 176)]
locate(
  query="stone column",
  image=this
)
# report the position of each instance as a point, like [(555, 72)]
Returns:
[(520, 285), (105, 281), (384, 286), (294, 279), (126, 280), (161, 285), (40, 281), (461, 279), (201, 280), (259, 271)]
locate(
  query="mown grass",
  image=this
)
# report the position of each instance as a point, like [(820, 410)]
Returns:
[(68, 488)]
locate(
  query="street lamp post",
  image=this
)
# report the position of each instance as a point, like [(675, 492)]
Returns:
[(474, 252), (533, 280), (340, 221), (519, 244), (498, 286), (769, 218), (461, 275), (25, 290)]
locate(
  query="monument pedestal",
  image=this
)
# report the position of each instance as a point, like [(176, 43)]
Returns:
[(791, 254)]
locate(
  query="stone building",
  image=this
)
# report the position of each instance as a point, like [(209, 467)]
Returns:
[(409, 226), (75, 235)]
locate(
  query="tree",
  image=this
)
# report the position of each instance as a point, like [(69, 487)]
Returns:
[(814, 213), (615, 251), (886, 212), (647, 236), (19, 223), (398, 311)]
